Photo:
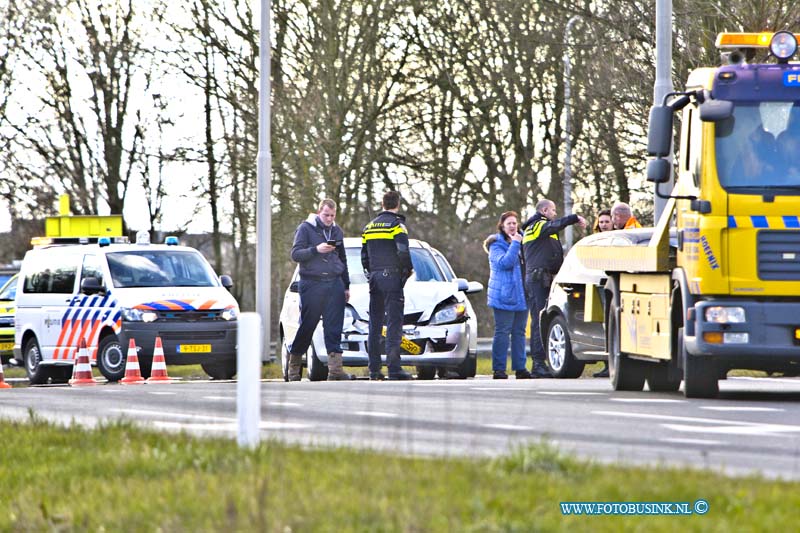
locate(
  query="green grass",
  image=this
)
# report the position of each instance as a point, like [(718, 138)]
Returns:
[(119, 478)]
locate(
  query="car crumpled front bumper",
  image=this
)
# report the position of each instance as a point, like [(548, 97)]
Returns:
[(446, 345)]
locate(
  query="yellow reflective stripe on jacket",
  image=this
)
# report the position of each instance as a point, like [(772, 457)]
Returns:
[(381, 233), (533, 232)]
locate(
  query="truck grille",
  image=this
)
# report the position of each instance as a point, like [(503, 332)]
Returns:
[(779, 255)]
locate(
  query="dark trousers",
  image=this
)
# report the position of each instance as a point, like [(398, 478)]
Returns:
[(320, 299), (537, 292), (386, 302)]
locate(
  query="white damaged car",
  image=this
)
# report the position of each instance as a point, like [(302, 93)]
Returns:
[(440, 329)]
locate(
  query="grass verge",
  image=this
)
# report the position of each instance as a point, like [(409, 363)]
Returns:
[(119, 478)]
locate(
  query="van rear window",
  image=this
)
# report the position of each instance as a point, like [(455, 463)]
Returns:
[(160, 268)]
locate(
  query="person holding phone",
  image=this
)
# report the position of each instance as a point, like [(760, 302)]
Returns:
[(324, 288)]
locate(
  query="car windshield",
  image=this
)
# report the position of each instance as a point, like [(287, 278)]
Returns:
[(9, 291), (160, 268), (759, 146), (425, 267)]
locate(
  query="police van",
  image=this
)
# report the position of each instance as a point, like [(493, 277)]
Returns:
[(107, 291)]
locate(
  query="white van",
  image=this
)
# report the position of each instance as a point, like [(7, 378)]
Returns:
[(107, 293)]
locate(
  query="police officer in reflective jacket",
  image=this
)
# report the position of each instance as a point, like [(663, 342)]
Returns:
[(543, 257), (387, 263)]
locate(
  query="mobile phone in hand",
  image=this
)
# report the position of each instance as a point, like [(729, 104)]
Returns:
[(331, 243)]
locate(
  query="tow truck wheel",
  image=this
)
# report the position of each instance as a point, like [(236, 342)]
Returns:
[(32, 357), (111, 358), (625, 373), (562, 363), (426, 372), (699, 374), (316, 370), (223, 370)]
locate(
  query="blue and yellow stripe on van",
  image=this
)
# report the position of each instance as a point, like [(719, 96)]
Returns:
[(764, 222)]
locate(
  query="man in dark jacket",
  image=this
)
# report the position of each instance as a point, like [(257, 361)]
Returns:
[(387, 263), (543, 258), (324, 288)]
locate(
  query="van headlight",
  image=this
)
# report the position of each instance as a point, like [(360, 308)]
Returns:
[(229, 314), (449, 313), (131, 314), (725, 315)]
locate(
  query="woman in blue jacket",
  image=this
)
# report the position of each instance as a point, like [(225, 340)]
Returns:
[(506, 296)]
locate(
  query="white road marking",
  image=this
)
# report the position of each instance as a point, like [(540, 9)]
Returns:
[(647, 400), (377, 414), (227, 426), (769, 380), (743, 409), (508, 427), (220, 398), (162, 393), (693, 441), (568, 393), (223, 421), (717, 425), (285, 404), (499, 388)]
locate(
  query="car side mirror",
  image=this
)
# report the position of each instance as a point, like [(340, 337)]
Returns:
[(294, 287), (226, 281), (474, 287), (91, 285)]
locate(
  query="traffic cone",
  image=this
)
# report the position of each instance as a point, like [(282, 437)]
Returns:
[(3, 384), (133, 375), (82, 368), (158, 373)]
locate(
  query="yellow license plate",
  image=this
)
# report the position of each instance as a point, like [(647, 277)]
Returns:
[(406, 344), (194, 348), (6, 346)]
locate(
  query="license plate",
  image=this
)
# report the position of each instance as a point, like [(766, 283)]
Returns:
[(194, 348), (406, 344), (6, 346)]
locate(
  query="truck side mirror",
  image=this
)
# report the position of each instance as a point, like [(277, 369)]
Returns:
[(658, 170), (716, 110), (659, 133)]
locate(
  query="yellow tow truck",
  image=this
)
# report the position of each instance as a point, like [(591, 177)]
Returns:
[(727, 296)]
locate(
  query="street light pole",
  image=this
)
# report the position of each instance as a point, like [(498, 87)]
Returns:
[(663, 83), (568, 236), (264, 188)]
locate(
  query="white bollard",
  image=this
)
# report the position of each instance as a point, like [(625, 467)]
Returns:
[(248, 385)]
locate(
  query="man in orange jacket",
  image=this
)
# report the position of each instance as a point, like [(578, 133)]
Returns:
[(622, 217)]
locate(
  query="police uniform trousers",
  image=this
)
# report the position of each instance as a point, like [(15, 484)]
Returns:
[(536, 292), (386, 302)]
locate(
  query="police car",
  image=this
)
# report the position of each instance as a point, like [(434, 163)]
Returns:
[(107, 291)]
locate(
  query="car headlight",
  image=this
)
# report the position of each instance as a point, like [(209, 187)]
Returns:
[(449, 313), (131, 314), (229, 314), (725, 315)]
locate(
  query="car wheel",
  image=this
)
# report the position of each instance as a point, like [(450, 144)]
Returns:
[(38, 373), (699, 374), (317, 371), (468, 367), (625, 373), (111, 358), (559, 351), (426, 372), (223, 370)]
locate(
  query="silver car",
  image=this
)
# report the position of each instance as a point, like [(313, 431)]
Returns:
[(440, 329)]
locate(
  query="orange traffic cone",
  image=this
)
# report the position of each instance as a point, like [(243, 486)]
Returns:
[(158, 374), (82, 368), (133, 375), (3, 384)]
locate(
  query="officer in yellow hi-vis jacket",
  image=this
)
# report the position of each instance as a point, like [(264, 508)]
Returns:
[(387, 263), (543, 257)]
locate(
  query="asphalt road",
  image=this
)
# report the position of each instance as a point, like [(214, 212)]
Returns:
[(753, 427)]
